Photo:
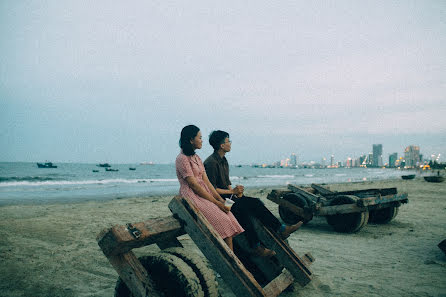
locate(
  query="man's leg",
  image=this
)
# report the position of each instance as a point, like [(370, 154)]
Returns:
[(242, 214), (256, 208)]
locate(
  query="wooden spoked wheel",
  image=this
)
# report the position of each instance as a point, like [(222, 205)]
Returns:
[(170, 274), (384, 215), (349, 222), (287, 215), (204, 273)]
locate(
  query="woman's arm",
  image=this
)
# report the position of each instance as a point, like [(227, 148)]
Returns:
[(195, 186), (214, 191)]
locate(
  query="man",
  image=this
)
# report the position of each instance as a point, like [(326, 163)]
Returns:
[(217, 170)]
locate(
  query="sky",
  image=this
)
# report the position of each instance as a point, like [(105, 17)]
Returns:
[(116, 81)]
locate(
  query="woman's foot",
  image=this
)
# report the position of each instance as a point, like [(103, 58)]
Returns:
[(290, 229), (261, 251)]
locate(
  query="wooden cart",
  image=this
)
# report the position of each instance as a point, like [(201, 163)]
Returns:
[(174, 269), (347, 211)]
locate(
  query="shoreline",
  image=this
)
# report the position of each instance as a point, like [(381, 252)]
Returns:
[(50, 249)]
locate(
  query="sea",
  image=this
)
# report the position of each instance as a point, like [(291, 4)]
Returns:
[(22, 182)]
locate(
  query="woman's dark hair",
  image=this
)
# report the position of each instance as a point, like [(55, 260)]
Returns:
[(216, 138), (187, 133)]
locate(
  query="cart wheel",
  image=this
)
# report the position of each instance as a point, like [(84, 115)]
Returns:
[(349, 222), (287, 215), (171, 276), (384, 215), (199, 265)]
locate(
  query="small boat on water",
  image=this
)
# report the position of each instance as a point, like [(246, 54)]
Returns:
[(434, 179), (409, 176), (111, 169), (132, 168), (46, 165), (95, 170), (104, 165)]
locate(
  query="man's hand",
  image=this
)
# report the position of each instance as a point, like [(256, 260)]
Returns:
[(238, 190)]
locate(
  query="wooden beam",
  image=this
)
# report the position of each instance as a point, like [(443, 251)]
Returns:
[(134, 275), (118, 239), (280, 283), (322, 190), (223, 260), (381, 199), (310, 196), (340, 209)]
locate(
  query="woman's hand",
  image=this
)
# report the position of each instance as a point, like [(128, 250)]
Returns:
[(222, 206)]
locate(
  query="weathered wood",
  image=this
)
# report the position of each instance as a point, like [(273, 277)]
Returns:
[(223, 260), (382, 199), (310, 197), (118, 239), (370, 192), (340, 209), (280, 283), (293, 208), (322, 190), (134, 274), (284, 253)]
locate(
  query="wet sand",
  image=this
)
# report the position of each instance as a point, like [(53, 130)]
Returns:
[(51, 249)]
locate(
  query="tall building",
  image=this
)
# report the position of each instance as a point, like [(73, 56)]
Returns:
[(377, 160), (412, 156), (392, 160), (332, 162), (293, 160)]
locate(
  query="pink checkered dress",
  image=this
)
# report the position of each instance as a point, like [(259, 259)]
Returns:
[(224, 223)]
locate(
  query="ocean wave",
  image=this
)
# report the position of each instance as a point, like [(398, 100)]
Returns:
[(86, 182), (5, 179), (276, 176)]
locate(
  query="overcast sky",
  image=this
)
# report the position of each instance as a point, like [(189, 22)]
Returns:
[(115, 81)]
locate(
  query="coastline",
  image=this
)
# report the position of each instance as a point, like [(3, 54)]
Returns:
[(50, 249)]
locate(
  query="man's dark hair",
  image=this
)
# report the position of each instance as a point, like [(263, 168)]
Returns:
[(216, 138), (187, 134)]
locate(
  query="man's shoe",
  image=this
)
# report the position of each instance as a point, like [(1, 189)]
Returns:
[(261, 251), (290, 229)]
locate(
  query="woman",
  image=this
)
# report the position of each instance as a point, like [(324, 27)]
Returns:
[(195, 185)]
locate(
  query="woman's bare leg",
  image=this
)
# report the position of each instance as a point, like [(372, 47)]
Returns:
[(228, 241)]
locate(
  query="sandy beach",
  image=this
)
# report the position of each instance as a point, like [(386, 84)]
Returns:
[(51, 249)]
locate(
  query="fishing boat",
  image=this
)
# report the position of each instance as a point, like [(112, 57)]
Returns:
[(409, 176), (434, 179), (104, 165), (46, 165), (111, 169), (132, 168)]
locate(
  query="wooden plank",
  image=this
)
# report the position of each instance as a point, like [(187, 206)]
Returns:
[(285, 254), (118, 239), (322, 190), (381, 199), (339, 209), (223, 260), (310, 196), (134, 275), (280, 283)]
